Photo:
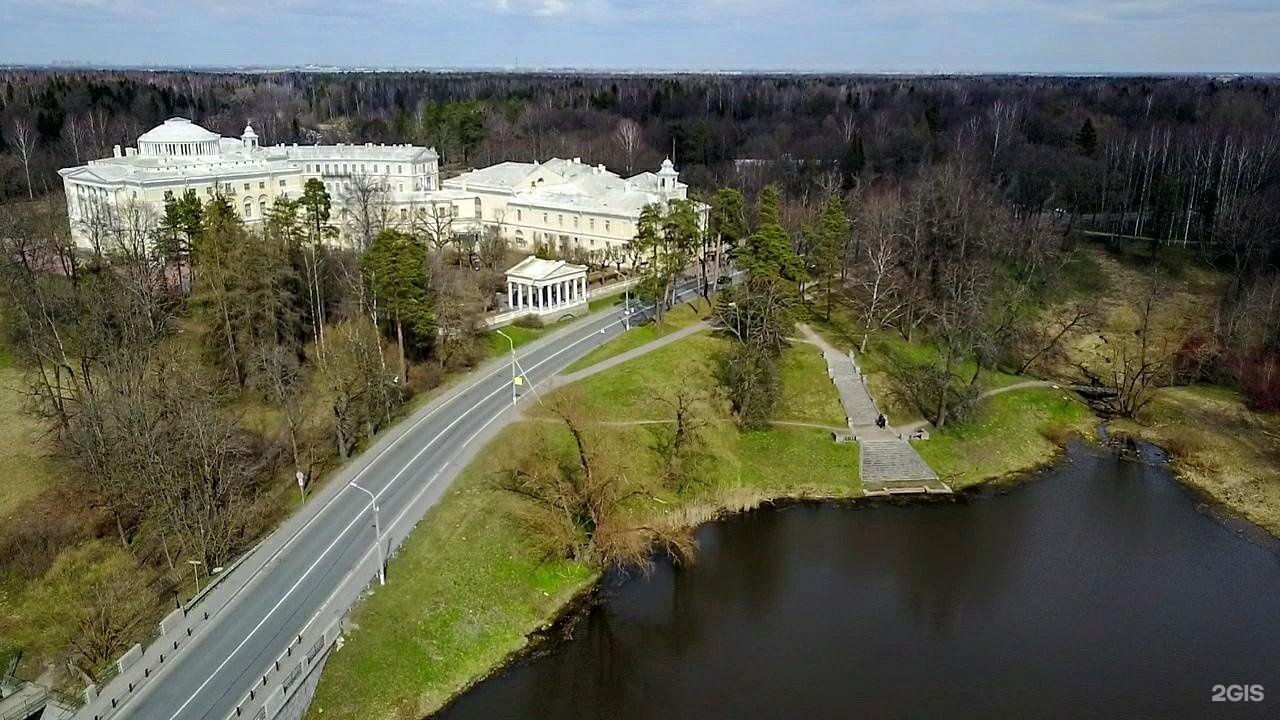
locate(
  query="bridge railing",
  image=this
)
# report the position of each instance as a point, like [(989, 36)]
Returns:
[(273, 689), (136, 667)]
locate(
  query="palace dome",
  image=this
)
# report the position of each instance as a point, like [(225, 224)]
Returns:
[(178, 136)]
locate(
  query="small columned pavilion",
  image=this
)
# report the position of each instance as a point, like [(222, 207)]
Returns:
[(547, 287)]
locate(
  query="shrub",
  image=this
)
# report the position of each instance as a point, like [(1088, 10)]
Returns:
[(533, 322)]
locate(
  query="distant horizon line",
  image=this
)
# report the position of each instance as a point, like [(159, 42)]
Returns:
[(263, 68)]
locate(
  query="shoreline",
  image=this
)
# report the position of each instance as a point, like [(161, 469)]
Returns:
[(563, 622)]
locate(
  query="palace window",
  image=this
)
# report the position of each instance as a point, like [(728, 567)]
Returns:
[(591, 223), (262, 184), (246, 186), (281, 183), (560, 219), (248, 207), (544, 218), (518, 213), (606, 226)]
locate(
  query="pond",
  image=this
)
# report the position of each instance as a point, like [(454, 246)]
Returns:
[(1100, 588)]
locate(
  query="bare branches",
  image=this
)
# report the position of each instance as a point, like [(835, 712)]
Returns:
[(574, 498)]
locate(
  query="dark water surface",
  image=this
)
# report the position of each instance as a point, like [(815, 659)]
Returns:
[(1096, 591)]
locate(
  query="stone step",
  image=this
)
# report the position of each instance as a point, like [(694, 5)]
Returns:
[(892, 461)]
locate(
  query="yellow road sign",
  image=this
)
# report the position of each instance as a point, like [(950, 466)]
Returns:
[(518, 380)]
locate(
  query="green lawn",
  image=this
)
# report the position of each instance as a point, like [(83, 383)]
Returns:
[(522, 335), (24, 448), (807, 393), (466, 589), (1008, 433), (463, 593), (677, 318)]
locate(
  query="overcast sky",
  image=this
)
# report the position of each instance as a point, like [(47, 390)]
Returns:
[(848, 35)]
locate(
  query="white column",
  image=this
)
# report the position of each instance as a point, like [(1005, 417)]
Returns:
[(511, 294), (585, 292)]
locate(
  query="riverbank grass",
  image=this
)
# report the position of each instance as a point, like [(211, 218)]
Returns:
[(469, 586), (463, 593), (1008, 433), (1011, 431), (1219, 447)]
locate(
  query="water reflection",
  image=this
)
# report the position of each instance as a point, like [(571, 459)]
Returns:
[(1097, 589)]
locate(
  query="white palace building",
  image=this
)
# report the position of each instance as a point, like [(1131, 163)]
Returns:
[(564, 205)]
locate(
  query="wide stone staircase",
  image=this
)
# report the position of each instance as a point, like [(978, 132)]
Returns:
[(889, 465), (859, 408), (891, 462)]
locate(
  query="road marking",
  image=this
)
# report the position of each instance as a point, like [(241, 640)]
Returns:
[(393, 480), (276, 554), (360, 515), (368, 464)]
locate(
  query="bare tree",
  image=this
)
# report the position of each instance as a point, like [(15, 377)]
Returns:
[(1134, 367), (24, 141), (574, 502), (435, 223), (74, 131), (877, 279), (681, 443), (1002, 117), (1080, 317), (365, 204), (629, 136)]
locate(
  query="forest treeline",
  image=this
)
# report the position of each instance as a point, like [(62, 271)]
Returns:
[(944, 209), (188, 368)]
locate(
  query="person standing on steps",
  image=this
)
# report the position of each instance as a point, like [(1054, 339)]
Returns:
[(880, 421)]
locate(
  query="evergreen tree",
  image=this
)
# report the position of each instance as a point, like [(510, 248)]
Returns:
[(179, 228), (824, 254), (1087, 138), (218, 290), (317, 206), (767, 253), (852, 162), (728, 219), (395, 272)]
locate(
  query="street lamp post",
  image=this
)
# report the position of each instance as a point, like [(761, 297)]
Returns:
[(195, 570), (512, 343), (377, 533)]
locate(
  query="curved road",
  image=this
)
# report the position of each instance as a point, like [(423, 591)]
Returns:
[(314, 558)]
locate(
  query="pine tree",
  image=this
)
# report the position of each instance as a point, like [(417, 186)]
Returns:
[(767, 253), (1087, 138), (852, 162), (395, 271), (824, 255)]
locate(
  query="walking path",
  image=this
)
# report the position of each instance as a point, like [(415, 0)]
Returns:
[(631, 354), (918, 424), (889, 465)]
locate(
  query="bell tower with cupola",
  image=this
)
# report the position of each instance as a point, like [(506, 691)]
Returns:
[(668, 179), (249, 138)]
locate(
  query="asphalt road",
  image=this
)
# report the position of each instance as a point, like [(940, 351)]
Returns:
[(211, 674)]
